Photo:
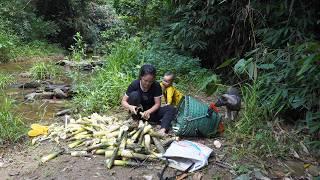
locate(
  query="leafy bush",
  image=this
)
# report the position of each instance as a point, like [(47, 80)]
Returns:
[(44, 70), (7, 43), (289, 81), (140, 15), (106, 87), (215, 30), (78, 50), (111, 36), (253, 135), (11, 47), (20, 16), (11, 126)]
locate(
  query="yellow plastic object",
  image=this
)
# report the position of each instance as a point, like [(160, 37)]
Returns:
[(38, 126), (37, 129), (34, 133)]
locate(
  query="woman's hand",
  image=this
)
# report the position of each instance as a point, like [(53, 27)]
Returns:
[(132, 109), (146, 115)]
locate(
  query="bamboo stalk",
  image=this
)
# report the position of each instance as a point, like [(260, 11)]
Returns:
[(132, 133), (155, 134), (144, 131), (131, 154), (124, 163), (79, 153), (122, 134), (158, 145), (75, 144), (98, 146), (167, 142), (124, 141), (147, 142), (51, 156)]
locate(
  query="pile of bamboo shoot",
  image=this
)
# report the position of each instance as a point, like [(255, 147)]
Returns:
[(120, 142)]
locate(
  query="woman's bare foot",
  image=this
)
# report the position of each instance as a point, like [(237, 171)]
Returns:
[(162, 131)]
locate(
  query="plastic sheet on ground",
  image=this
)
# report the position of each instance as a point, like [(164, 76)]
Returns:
[(182, 154)]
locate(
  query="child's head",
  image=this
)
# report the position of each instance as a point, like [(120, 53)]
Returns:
[(168, 79)]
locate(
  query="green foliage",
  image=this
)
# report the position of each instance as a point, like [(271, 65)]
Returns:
[(11, 126), (248, 122), (215, 30), (253, 135), (106, 87), (78, 50), (289, 81), (111, 36), (12, 47), (140, 15), (20, 16), (7, 43), (90, 18), (35, 48), (44, 70), (5, 80)]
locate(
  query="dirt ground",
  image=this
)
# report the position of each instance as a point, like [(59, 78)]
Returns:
[(23, 162)]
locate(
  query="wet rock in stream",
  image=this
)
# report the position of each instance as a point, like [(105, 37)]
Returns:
[(63, 112), (33, 84), (58, 93), (51, 87), (25, 75), (36, 95), (83, 65)]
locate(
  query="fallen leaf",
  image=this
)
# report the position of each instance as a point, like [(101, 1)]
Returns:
[(294, 153), (307, 165), (305, 149), (197, 176), (181, 177)]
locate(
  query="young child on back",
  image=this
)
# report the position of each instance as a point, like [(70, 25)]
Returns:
[(170, 93)]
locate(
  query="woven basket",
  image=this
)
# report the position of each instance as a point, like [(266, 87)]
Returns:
[(192, 119)]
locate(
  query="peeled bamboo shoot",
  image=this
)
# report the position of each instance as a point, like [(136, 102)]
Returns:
[(51, 156)]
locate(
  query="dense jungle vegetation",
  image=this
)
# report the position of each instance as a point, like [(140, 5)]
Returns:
[(268, 49)]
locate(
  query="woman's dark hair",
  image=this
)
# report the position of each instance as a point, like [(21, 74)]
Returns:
[(147, 69)]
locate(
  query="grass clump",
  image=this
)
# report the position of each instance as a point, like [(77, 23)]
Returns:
[(44, 70), (5, 80), (253, 135), (11, 126), (105, 88), (36, 48)]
